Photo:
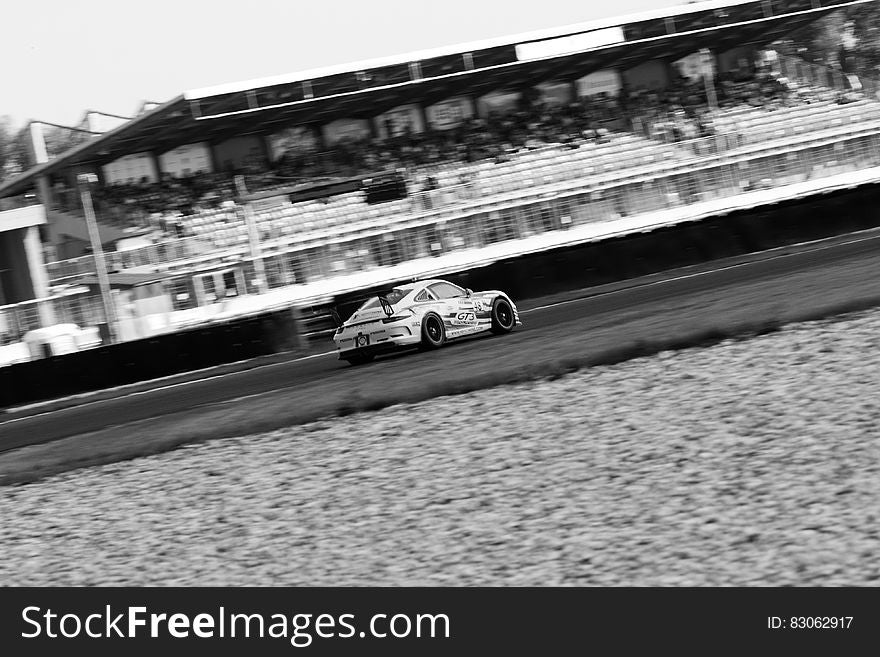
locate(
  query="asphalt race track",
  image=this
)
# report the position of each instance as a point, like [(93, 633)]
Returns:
[(784, 285)]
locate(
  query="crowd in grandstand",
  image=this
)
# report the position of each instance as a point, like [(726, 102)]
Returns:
[(531, 125), (680, 112)]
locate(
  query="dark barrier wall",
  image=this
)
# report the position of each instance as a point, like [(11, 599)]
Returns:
[(140, 360), (637, 255), (529, 276)]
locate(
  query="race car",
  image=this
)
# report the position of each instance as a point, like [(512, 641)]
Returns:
[(425, 314)]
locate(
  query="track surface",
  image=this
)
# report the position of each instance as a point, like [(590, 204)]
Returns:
[(783, 287)]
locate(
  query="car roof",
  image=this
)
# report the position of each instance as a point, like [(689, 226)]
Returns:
[(417, 286), (430, 281)]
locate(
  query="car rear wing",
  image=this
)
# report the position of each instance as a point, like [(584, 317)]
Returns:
[(386, 306)]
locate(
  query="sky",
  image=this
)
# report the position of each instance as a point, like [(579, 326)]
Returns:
[(59, 58)]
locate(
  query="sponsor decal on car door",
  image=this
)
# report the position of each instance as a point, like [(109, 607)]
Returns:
[(463, 317)]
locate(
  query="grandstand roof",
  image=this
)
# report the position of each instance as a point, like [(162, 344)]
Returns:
[(369, 88)]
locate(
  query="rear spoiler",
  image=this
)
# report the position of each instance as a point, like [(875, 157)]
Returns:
[(386, 306)]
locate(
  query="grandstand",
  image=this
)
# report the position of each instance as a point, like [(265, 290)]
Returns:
[(560, 132)]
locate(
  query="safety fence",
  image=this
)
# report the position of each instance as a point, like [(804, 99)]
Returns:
[(465, 216), (79, 308), (162, 255)]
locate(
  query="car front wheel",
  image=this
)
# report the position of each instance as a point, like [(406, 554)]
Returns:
[(502, 316)]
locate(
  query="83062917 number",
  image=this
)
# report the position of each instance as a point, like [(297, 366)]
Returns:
[(810, 622)]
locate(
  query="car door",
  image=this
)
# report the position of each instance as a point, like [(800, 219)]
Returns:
[(458, 310)]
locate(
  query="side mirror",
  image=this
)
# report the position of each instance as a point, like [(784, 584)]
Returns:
[(468, 291)]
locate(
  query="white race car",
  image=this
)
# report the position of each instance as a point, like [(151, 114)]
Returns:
[(426, 314)]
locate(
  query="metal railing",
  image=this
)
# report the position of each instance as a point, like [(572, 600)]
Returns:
[(603, 202), (158, 257), (721, 171), (80, 308)]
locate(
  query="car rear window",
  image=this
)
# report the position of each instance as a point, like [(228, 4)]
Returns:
[(394, 296)]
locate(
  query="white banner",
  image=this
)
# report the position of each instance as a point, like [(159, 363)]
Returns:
[(398, 121), (497, 101), (298, 139), (572, 43), (555, 93), (449, 113), (605, 81), (131, 169), (185, 160), (346, 129), (696, 65)]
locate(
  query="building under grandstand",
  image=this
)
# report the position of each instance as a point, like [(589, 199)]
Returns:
[(248, 189)]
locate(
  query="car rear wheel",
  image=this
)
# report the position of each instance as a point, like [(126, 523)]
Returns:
[(433, 332), (359, 359), (502, 316)]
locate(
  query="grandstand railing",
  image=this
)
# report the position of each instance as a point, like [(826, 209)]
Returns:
[(762, 133), (624, 193), (169, 252), (603, 203), (75, 307), (514, 219)]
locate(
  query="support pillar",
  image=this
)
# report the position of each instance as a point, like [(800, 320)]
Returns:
[(44, 192), (212, 158), (47, 198), (198, 284), (322, 138), (99, 172), (267, 148), (423, 115), (215, 160), (157, 166), (255, 250), (33, 250), (472, 99)]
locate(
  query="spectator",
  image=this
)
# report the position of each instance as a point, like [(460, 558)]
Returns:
[(675, 114)]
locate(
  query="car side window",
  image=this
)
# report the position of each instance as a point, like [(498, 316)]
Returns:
[(423, 296), (447, 291)]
